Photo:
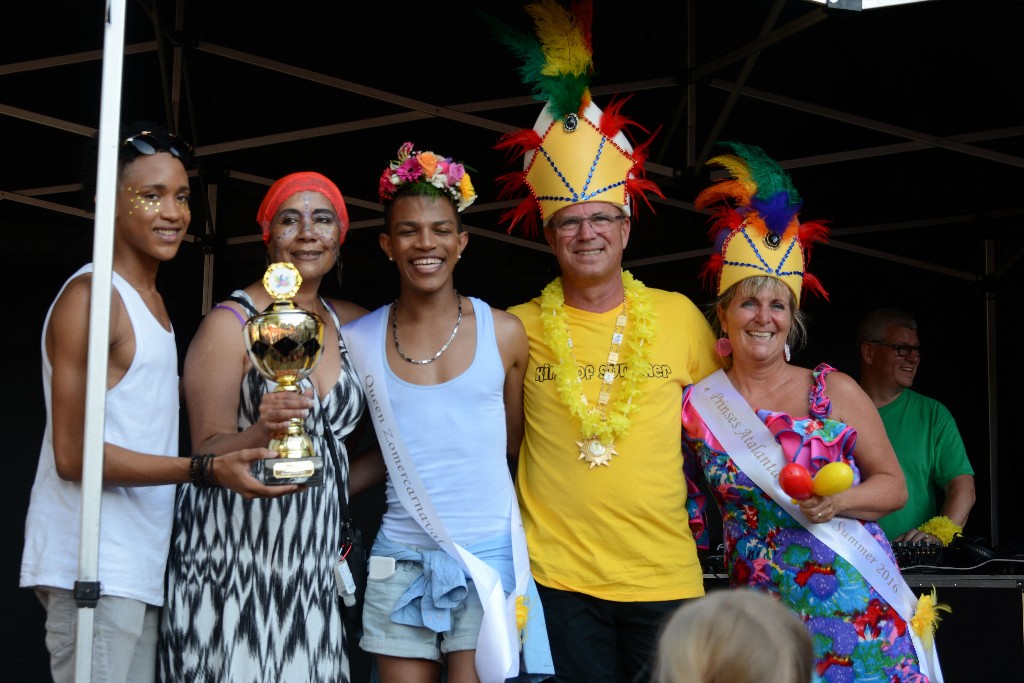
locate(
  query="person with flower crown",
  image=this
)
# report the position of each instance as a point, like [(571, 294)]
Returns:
[(600, 471), (449, 580), (801, 481)]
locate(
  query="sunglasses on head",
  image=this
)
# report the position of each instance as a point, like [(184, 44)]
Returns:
[(147, 143)]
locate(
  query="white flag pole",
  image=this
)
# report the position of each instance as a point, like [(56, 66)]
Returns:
[(87, 588)]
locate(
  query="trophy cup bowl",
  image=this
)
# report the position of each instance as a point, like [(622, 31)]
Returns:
[(284, 344)]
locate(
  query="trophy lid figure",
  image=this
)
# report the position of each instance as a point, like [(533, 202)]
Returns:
[(284, 341)]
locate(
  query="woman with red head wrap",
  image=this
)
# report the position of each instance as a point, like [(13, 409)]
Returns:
[(293, 184), (251, 590)]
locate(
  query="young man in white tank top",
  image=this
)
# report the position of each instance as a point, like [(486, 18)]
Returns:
[(140, 466), (452, 374)]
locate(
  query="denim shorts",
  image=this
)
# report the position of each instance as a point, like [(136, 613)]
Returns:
[(384, 637)]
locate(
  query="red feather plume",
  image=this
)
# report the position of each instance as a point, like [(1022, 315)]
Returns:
[(723, 218), (813, 284), (519, 142), (637, 188), (583, 11), (712, 270), (813, 231), (527, 211), (641, 152), (613, 121), (510, 185)]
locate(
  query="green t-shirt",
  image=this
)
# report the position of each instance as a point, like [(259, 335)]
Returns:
[(928, 445)]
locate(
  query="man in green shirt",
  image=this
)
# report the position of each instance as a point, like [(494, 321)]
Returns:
[(922, 431)]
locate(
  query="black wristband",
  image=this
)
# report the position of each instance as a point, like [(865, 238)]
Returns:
[(200, 470)]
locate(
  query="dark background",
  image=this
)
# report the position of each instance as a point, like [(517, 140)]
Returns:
[(904, 127)]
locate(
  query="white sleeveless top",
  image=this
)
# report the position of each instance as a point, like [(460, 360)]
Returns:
[(455, 434), (135, 522)]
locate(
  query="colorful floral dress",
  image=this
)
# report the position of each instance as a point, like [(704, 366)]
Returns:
[(856, 635)]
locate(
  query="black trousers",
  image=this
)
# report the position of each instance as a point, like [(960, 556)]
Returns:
[(601, 641)]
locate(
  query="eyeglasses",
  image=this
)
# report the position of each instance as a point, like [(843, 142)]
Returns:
[(147, 142), (902, 350), (599, 222)]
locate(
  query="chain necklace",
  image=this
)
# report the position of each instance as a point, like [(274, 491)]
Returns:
[(599, 427), (398, 347)]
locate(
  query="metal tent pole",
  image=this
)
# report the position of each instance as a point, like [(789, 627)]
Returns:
[(87, 587), (993, 374)]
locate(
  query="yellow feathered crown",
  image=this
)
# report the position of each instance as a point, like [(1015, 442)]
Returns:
[(756, 230), (575, 152)]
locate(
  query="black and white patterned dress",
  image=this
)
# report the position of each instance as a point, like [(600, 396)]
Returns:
[(251, 594)]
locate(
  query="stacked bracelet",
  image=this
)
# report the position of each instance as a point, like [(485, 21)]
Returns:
[(200, 470)]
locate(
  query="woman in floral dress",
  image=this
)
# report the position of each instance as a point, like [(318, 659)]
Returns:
[(817, 417)]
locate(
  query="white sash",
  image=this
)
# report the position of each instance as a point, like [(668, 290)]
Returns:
[(754, 450), (497, 651)]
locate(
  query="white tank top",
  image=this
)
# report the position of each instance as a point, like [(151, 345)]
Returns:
[(455, 434), (135, 522)]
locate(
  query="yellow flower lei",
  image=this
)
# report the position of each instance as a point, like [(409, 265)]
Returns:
[(643, 327)]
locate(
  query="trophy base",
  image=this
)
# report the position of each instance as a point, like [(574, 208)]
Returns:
[(308, 471)]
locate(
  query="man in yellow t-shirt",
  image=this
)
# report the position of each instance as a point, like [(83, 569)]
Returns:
[(600, 469), (608, 531)]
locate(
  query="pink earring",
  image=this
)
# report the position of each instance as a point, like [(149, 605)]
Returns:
[(723, 347)]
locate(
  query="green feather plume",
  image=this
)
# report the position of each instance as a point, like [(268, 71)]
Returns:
[(766, 173)]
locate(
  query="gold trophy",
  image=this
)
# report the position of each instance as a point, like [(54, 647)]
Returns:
[(284, 344)]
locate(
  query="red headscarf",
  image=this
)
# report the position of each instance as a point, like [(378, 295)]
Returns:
[(307, 181)]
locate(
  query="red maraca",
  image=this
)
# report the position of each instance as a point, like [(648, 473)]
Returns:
[(796, 481)]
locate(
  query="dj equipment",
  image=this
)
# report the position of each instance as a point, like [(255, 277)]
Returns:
[(961, 553), (918, 554)]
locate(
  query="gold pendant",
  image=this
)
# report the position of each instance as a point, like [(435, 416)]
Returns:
[(595, 452)]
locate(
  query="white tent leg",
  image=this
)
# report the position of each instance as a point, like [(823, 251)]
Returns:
[(87, 586)]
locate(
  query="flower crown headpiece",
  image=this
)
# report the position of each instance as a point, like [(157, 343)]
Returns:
[(426, 173), (575, 152), (758, 232)]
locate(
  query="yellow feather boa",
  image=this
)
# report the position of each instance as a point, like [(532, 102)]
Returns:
[(942, 528)]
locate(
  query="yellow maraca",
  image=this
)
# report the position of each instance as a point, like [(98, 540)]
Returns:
[(832, 478)]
